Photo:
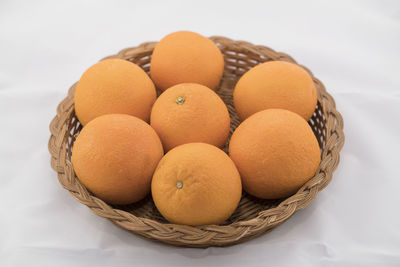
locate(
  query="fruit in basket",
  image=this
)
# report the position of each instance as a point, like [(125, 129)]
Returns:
[(275, 84), (115, 156), (114, 86), (189, 112), (276, 152), (186, 57), (196, 184)]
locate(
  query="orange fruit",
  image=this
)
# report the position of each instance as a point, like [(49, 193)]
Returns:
[(196, 184), (187, 113), (276, 152), (115, 156), (186, 57), (114, 86), (275, 84)]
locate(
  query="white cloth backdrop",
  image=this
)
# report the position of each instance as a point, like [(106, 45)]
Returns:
[(352, 46)]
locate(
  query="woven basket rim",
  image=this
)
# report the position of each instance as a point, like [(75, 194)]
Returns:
[(208, 235)]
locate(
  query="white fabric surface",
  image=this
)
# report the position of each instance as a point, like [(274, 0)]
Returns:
[(352, 46)]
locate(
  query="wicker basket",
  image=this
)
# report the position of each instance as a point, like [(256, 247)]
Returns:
[(253, 217)]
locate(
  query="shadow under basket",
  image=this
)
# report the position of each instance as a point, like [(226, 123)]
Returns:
[(253, 217)]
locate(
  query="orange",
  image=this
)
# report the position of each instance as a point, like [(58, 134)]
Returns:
[(186, 57), (114, 86), (276, 152), (196, 184), (115, 156), (187, 113), (275, 84)]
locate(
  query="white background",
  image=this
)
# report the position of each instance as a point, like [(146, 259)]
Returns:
[(352, 46)]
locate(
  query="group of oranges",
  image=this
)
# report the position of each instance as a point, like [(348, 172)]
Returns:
[(119, 153)]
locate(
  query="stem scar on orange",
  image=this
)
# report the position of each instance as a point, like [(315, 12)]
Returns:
[(189, 112), (196, 184)]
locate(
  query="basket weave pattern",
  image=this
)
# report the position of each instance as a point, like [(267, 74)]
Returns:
[(253, 217)]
